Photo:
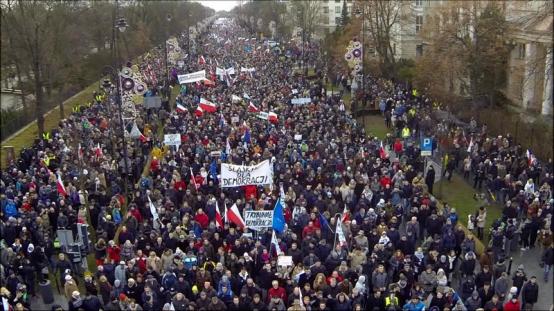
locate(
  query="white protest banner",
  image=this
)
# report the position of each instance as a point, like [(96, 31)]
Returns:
[(251, 69), (241, 175), (192, 77), (301, 101), (294, 91), (172, 139), (257, 220), (219, 71), (230, 70), (263, 115), (235, 119), (235, 99), (298, 137), (284, 261)]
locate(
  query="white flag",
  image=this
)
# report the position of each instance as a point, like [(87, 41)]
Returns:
[(340, 233), (470, 145), (275, 243), (153, 209)]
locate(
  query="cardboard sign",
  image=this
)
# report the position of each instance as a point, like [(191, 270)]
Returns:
[(242, 175), (284, 261), (257, 220), (172, 139)]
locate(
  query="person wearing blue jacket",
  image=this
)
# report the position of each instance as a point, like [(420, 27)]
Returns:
[(414, 305)]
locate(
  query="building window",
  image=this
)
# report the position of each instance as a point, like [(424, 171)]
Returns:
[(419, 23), (419, 50), (418, 3), (521, 50), (325, 9), (337, 9)]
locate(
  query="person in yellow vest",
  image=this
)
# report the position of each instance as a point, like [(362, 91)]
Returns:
[(405, 132), (157, 152), (415, 93), (391, 301), (46, 136)]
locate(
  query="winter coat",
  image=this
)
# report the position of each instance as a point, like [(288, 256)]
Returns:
[(428, 280), (530, 292)]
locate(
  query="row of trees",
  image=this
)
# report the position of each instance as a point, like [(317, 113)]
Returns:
[(55, 48)]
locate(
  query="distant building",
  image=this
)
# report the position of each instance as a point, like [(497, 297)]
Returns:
[(529, 72)]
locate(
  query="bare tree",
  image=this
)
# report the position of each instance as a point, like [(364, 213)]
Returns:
[(307, 15)]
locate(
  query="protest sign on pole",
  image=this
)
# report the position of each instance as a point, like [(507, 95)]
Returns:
[(301, 101), (242, 175), (257, 220), (192, 77), (172, 139)]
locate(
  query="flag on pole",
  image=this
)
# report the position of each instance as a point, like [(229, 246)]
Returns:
[(199, 112), (193, 180), (233, 215), (340, 233), (272, 117), (225, 219), (201, 60), (181, 108), (218, 219), (213, 170), (227, 147), (470, 145), (531, 159), (246, 138), (80, 152), (324, 223), (98, 151), (60, 186), (278, 217), (207, 105), (153, 209), (222, 121), (253, 108), (383, 152), (345, 214), (275, 244)]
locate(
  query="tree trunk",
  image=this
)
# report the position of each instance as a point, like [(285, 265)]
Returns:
[(39, 111)]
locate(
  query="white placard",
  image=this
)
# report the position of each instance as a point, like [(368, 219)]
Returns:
[(241, 175), (284, 261), (294, 91), (235, 119), (192, 77), (257, 220), (263, 115), (172, 139), (301, 101), (298, 137)]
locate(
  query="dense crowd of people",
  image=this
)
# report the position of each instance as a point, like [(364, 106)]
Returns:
[(162, 248)]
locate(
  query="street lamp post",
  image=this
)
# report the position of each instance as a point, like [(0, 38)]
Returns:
[(362, 14), (121, 25), (166, 88)]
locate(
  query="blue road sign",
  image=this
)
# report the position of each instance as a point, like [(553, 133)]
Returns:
[(426, 146)]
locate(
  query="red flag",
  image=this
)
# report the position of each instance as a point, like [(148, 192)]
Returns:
[(345, 214), (61, 188), (272, 117), (207, 106), (143, 138), (201, 60), (208, 82), (98, 151), (233, 215), (199, 112), (252, 108), (193, 180), (218, 218), (382, 152)]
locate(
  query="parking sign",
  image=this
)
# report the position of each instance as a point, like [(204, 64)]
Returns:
[(426, 146)]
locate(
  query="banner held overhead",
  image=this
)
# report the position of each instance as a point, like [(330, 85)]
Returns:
[(241, 175)]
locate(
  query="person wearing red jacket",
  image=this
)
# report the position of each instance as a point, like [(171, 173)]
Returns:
[(113, 252), (398, 147), (385, 180), (512, 305), (202, 219), (276, 291)]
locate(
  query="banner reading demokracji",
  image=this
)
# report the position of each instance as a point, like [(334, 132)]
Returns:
[(241, 175)]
